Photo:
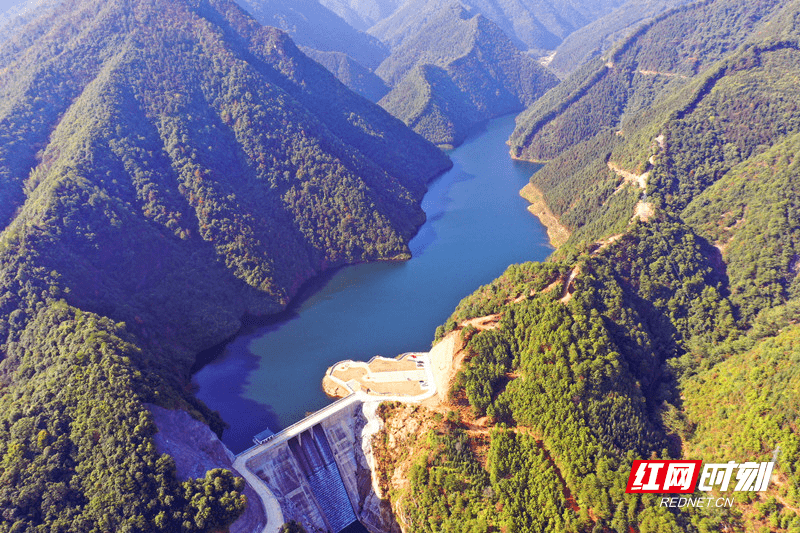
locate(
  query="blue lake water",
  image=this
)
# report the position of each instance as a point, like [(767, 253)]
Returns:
[(477, 225)]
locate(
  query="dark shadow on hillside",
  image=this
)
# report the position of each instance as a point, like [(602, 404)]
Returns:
[(244, 417)]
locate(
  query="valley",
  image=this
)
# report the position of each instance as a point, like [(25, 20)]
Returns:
[(476, 226), (208, 206)]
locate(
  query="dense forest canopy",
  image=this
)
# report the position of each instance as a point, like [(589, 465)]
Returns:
[(535, 25), (449, 66), (600, 35), (311, 25), (458, 70)]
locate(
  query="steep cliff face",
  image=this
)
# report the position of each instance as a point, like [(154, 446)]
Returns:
[(375, 508), (399, 439)]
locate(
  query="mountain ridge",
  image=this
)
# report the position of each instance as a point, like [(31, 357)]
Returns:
[(187, 172), (356, 77), (444, 86), (532, 25), (312, 25)]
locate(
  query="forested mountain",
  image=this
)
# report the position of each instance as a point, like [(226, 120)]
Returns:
[(14, 13), (570, 386), (452, 65), (354, 75), (363, 14), (312, 25), (666, 326), (455, 64), (647, 103), (450, 33), (469, 70), (532, 24), (599, 36), (165, 167), (443, 68), (9, 5), (457, 71)]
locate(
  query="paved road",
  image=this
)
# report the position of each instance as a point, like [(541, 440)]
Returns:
[(271, 506)]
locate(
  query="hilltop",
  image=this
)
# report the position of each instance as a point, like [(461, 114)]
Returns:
[(458, 70), (363, 14), (599, 36), (355, 76), (532, 25), (311, 25)]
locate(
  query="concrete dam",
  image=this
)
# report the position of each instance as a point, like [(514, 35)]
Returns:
[(312, 451), (319, 471), (316, 472)]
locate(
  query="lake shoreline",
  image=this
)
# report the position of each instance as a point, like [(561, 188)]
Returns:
[(251, 322), (269, 373), (556, 232)]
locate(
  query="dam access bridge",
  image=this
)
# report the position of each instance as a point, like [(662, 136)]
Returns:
[(317, 471)]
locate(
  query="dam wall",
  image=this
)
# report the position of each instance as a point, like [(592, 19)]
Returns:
[(318, 470)]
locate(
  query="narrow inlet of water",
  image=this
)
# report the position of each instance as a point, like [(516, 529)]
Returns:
[(477, 225)]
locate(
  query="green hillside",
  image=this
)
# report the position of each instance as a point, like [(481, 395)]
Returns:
[(537, 25), (456, 72), (311, 25), (712, 140), (356, 77), (574, 385), (631, 351), (347, 53), (479, 46), (362, 14), (14, 13), (165, 168), (429, 101), (747, 406), (446, 35), (596, 38), (651, 112), (751, 215)]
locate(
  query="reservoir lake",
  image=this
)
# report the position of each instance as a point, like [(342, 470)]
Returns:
[(477, 224)]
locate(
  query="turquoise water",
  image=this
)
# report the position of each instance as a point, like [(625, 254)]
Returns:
[(477, 225)]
